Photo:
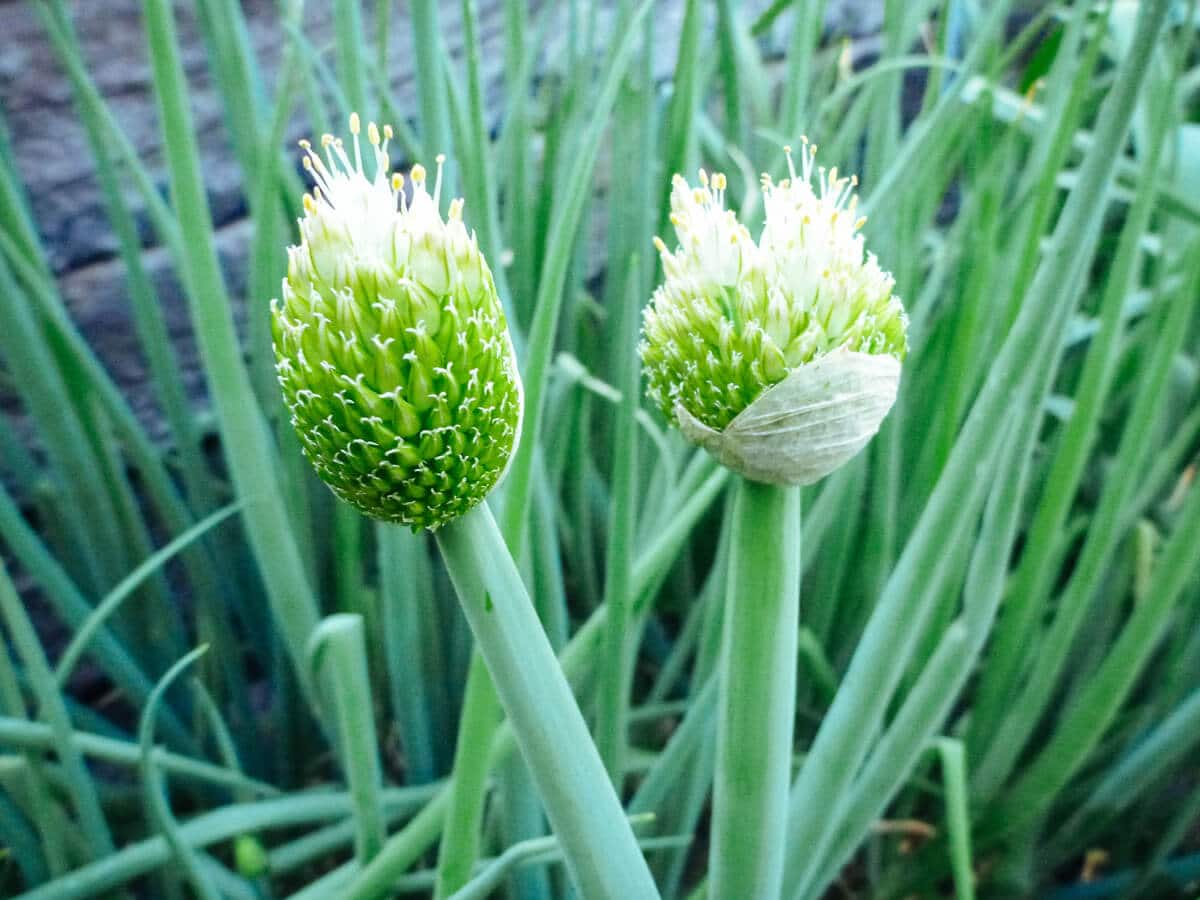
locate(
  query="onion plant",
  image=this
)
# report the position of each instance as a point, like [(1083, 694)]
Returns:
[(472, 565), (781, 357)]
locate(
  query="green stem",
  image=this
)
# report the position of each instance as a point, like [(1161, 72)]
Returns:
[(758, 693), (598, 843)]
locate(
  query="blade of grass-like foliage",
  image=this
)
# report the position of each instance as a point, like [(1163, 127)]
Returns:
[(338, 656), (479, 185), (266, 256), (33, 792), (1181, 822), (1085, 722), (954, 774), (431, 87), (324, 840), (1015, 728), (467, 791), (1035, 572), (73, 608), (1156, 754), (679, 128), (1036, 334), (153, 790), (620, 642), (563, 231), (599, 847), (86, 630), (802, 45), (347, 18), (537, 850), (517, 219), (893, 757), (144, 455), (84, 796), (148, 317), (246, 445), (22, 842), (405, 583), (677, 785), (226, 823), (45, 394), (35, 735)]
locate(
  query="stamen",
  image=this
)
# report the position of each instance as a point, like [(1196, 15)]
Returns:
[(437, 182)]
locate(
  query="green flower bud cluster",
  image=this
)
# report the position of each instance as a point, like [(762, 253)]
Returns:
[(391, 345), (734, 316)]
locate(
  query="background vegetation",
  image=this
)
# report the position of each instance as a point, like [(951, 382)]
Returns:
[(1000, 681)]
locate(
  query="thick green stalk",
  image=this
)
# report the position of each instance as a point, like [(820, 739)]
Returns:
[(758, 693), (598, 843), (339, 652)]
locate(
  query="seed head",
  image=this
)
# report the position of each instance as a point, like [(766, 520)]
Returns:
[(391, 345), (737, 319)]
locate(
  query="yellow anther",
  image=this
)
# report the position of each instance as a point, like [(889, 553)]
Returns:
[(862, 220), (310, 205), (659, 245), (373, 134), (719, 181), (354, 123), (387, 132), (327, 139), (397, 181), (418, 174), (304, 144)]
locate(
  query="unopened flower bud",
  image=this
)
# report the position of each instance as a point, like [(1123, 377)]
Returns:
[(781, 356), (391, 345)]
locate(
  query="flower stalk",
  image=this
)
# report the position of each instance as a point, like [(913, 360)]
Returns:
[(781, 356), (598, 843), (396, 364), (757, 692)]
